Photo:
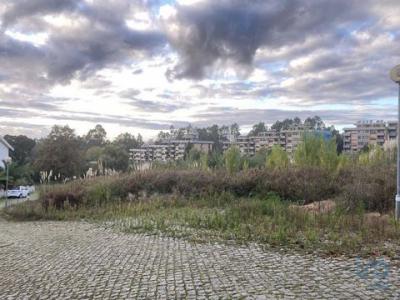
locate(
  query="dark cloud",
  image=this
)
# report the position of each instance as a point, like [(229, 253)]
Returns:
[(119, 120), (153, 106), (306, 53), (150, 105), (233, 30), (100, 40), (24, 8), (225, 115)]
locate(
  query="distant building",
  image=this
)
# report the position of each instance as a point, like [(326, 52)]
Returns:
[(288, 139), (167, 150), (368, 133), (5, 148)]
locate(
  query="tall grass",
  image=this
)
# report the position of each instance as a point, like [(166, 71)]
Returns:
[(243, 204), (263, 219)]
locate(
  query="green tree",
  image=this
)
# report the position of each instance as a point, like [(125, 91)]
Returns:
[(373, 155), (257, 129), (283, 125), (330, 159), (60, 153), (316, 152), (96, 136), (215, 160), (308, 152), (338, 138), (193, 155), (126, 141), (314, 122), (258, 160), (278, 158), (232, 159), (115, 157), (204, 161), (139, 140), (235, 129), (23, 147)]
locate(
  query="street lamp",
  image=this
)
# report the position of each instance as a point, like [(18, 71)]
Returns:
[(7, 162), (395, 76)]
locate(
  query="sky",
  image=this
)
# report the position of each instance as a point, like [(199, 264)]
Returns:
[(140, 66)]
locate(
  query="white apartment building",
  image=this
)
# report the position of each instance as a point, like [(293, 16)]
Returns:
[(168, 150), (368, 133), (288, 139)]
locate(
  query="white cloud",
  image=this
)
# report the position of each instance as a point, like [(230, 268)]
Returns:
[(37, 39)]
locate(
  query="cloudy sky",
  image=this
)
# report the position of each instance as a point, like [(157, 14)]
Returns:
[(143, 65)]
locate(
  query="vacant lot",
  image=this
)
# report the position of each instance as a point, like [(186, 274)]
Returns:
[(56, 260)]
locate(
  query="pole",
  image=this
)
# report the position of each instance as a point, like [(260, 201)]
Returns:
[(397, 212), (7, 167)]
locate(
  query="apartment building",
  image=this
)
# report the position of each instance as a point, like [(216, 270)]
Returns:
[(391, 130), (288, 139), (167, 150), (367, 133)]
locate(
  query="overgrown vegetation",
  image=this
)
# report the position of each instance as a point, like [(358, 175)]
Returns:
[(268, 220), (245, 199)]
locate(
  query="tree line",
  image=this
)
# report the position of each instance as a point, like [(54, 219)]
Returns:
[(64, 154)]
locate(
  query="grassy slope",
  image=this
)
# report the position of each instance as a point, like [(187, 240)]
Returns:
[(267, 220)]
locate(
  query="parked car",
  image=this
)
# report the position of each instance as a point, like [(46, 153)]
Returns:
[(18, 192)]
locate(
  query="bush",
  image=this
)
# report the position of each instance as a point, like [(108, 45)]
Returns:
[(299, 184), (372, 187)]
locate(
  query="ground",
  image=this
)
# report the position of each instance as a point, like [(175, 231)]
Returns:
[(77, 260)]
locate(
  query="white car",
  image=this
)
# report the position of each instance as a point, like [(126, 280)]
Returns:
[(18, 192)]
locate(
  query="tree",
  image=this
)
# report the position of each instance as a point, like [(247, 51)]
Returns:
[(59, 153), (215, 160), (314, 122), (115, 158), (235, 130), (139, 140), (278, 158), (257, 129), (232, 159), (204, 161), (193, 155), (163, 136), (339, 140), (316, 152), (23, 147), (258, 160), (284, 125), (126, 141), (329, 156), (96, 136), (308, 151)]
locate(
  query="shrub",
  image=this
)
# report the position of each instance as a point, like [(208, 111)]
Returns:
[(278, 158), (299, 184), (232, 159), (372, 187)]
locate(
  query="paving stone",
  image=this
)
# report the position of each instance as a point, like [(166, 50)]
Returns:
[(77, 260)]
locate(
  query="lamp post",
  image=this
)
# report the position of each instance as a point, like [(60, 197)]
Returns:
[(7, 162), (395, 76)]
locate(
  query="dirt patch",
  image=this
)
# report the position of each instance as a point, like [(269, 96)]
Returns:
[(322, 207)]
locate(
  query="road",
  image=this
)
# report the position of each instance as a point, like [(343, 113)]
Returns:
[(13, 201), (77, 260)]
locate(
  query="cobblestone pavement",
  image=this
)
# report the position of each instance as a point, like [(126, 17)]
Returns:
[(76, 260)]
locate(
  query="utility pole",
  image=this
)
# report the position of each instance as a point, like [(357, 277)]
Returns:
[(7, 162), (395, 76)]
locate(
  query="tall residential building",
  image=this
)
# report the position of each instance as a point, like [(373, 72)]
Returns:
[(368, 133), (288, 139), (167, 150)]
